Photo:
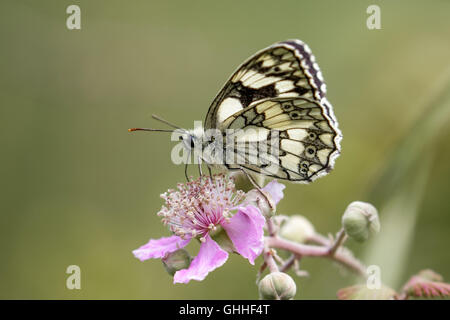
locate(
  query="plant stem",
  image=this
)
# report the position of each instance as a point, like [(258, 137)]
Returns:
[(340, 239), (270, 261), (270, 227), (289, 263), (343, 258)]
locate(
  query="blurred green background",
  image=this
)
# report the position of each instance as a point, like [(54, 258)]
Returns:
[(77, 188)]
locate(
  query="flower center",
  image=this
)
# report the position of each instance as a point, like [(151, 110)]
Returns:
[(199, 206)]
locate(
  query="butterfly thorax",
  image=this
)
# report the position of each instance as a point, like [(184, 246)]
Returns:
[(203, 145)]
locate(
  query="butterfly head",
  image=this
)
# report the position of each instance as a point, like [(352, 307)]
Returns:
[(188, 140), (192, 138)]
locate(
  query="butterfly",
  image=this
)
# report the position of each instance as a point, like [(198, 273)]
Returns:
[(275, 99)]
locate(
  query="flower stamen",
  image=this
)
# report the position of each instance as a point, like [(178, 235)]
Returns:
[(199, 206)]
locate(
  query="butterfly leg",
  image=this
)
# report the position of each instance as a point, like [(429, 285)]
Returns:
[(186, 172), (186, 164), (200, 171), (209, 170), (255, 184)]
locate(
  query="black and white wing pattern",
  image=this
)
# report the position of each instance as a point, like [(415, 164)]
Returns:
[(285, 69), (302, 142), (277, 98)]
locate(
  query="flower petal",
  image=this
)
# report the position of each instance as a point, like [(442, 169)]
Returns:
[(158, 248), (245, 230), (209, 257), (275, 189)]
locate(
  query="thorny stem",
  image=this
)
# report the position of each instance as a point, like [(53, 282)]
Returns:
[(304, 250), (270, 227), (340, 239), (319, 239), (270, 261), (289, 263)]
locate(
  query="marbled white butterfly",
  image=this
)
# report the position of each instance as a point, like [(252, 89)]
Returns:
[(275, 99)]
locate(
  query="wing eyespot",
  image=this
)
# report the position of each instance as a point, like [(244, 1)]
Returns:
[(295, 115), (312, 136), (287, 107), (310, 151)]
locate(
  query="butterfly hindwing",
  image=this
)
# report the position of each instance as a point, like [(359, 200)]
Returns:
[(285, 69), (301, 143)]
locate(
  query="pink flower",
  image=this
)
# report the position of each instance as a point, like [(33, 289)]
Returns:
[(198, 208)]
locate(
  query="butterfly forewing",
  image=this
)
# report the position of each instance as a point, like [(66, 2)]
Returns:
[(277, 99), (285, 69)]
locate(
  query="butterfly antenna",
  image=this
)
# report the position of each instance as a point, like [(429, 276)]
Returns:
[(149, 129), (154, 116)]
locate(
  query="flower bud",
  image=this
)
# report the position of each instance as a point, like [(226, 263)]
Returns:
[(297, 228), (265, 204), (360, 220), (176, 260), (241, 181), (277, 286), (223, 240)]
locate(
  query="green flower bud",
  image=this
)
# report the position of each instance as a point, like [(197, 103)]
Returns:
[(297, 228), (176, 260), (220, 236), (255, 198), (277, 286), (241, 181), (360, 220)]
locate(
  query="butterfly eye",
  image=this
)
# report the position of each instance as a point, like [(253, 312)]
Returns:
[(312, 135), (304, 171), (310, 151), (294, 115), (277, 69)]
